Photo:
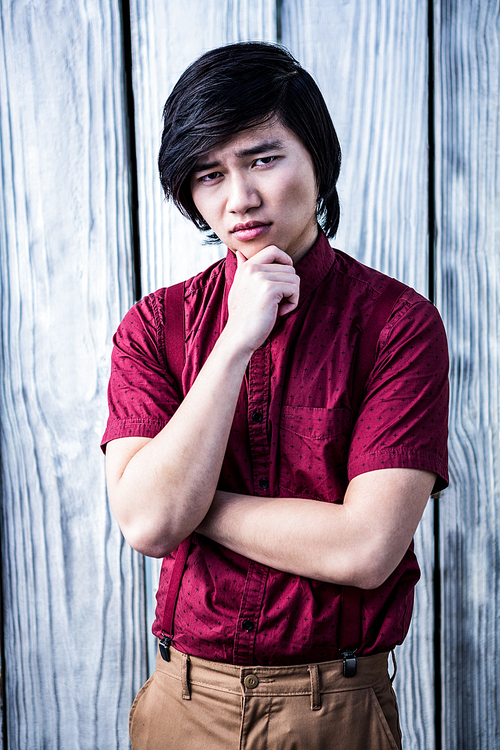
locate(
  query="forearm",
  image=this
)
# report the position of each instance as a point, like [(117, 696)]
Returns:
[(166, 487), (291, 534), (358, 543)]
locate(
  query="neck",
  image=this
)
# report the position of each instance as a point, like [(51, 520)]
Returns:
[(306, 246)]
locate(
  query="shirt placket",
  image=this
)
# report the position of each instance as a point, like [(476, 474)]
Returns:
[(258, 384)]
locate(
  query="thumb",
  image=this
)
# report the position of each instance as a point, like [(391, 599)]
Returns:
[(240, 258)]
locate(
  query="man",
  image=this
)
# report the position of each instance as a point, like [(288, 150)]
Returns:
[(298, 500)]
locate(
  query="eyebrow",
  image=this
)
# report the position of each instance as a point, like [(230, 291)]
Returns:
[(259, 148)]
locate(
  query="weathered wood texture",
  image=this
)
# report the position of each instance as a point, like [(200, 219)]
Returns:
[(166, 37), (74, 603), (467, 126), (370, 61), (74, 630)]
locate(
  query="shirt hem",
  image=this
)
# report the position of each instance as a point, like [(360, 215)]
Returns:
[(401, 459), (131, 428)]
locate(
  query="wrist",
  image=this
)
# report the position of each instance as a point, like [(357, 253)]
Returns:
[(235, 344)]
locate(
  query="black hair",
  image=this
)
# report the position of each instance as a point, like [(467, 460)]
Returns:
[(231, 89)]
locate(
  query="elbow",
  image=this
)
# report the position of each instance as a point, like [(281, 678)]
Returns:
[(375, 573), (149, 542), (367, 570), (370, 579), (151, 534), (148, 547)]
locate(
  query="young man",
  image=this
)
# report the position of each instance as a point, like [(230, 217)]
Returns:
[(297, 487)]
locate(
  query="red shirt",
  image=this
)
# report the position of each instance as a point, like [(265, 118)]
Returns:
[(292, 436)]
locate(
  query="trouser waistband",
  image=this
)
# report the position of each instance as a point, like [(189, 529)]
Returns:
[(301, 679)]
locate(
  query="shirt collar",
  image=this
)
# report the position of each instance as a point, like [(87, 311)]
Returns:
[(312, 267)]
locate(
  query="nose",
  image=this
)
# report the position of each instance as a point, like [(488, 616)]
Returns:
[(242, 194)]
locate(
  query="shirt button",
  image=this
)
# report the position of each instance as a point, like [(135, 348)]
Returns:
[(264, 483), (247, 625), (257, 416), (251, 681)]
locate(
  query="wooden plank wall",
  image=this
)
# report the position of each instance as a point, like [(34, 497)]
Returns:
[(74, 628), (467, 129), (73, 595)]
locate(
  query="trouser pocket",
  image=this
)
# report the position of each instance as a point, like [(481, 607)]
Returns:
[(136, 723), (385, 706)]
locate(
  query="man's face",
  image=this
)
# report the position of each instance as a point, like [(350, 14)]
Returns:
[(259, 189)]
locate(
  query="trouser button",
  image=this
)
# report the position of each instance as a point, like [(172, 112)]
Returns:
[(251, 681)]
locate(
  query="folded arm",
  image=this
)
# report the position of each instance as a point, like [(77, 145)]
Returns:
[(358, 543), (164, 488)]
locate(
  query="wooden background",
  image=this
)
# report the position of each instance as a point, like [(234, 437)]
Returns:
[(414, 93)]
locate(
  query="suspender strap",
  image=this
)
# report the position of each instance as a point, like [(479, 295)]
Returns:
[(174, 330), (175, 354), (351, 610), (174, 585)]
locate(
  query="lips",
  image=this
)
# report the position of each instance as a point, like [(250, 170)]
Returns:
[(250, 230)]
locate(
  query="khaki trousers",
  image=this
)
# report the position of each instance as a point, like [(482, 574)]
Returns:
[(193, 704)]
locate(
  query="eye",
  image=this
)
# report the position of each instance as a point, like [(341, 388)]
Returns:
[(207, 178), (264, 160)]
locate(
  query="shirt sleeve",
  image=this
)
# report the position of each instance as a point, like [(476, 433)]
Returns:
[(142, 393), (403, 419)]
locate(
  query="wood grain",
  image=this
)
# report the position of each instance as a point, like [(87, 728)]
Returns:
[(370, 61), (73, 591), (467, 127), (74, 626), (166, 37)]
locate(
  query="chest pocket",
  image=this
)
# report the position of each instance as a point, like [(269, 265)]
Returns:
[(313, 451)]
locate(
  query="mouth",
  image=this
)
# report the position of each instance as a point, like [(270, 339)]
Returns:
[(250, 230)]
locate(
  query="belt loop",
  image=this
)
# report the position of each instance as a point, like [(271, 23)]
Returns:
[(394, 664), (186, 693), (315, 691)]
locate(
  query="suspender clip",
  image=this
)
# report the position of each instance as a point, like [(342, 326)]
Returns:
[(350, 662), (165, 646)]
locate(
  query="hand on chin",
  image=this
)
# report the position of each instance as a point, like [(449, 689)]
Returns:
[(250, 250)]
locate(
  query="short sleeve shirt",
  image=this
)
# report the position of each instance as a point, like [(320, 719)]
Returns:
[(294, 433)]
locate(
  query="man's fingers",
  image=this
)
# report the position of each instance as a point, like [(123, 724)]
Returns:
[(277, 273), (264, 287), (286, 306), (276, 268), (288, 303), (271, 254)]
